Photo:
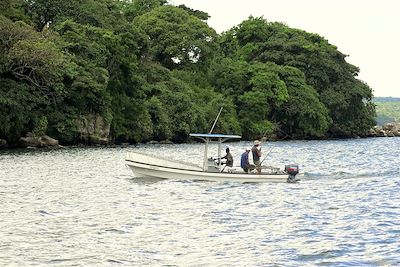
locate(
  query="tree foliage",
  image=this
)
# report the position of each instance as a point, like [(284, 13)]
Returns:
[(325, 69), (178, 39), (153, 71)]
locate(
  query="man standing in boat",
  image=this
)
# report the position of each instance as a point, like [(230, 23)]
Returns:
[(256, 152)]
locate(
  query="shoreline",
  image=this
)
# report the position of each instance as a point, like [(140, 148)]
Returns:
[(154, 143), (46, 142)]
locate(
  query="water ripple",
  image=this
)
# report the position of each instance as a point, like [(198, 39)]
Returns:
[(84, 207)]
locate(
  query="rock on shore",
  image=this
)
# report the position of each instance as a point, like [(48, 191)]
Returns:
[(38, 141)]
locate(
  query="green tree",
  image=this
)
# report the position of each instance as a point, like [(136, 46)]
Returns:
[(14, 10), (33, 70), (178, 39), (324, 67), (43, 12), (98, 13), (302, 115), (34, 58), (18, 109), (140, 7), (197, 13)]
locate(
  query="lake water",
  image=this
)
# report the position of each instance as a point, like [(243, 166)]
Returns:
[(83, 206)]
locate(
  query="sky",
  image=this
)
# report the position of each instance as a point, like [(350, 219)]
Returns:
[(368, 31)]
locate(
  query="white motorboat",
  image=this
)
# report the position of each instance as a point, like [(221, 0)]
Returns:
[(144, 165)]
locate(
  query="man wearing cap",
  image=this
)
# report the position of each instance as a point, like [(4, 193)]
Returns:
[(244, 161), (256, 151)]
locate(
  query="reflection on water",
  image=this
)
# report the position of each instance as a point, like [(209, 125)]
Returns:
[(84, 207)]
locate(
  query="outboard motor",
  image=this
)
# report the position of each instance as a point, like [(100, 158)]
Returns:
[(292, 170)]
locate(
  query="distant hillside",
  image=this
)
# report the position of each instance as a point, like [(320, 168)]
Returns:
[(386, 99), (387, 111)]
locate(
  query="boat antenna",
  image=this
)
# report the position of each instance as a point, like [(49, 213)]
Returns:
[(216, 119)]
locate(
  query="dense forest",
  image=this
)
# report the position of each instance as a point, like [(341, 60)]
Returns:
[(89, 71)]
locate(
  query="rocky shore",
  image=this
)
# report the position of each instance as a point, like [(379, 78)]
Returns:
[(387, 130)]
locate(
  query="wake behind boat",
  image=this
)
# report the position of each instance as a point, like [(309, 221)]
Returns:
[(144, 165)]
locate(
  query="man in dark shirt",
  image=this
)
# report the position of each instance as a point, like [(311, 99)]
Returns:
[(244, 161), (228, 157), (256, 151)]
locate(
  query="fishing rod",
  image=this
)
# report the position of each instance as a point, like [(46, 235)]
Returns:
[(264, 138), (265, 157), (272, 148)]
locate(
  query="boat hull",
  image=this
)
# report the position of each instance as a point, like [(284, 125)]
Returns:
[(141, 169)]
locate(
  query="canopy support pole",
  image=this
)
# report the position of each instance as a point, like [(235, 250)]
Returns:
[(219, 153), (205, 154)]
